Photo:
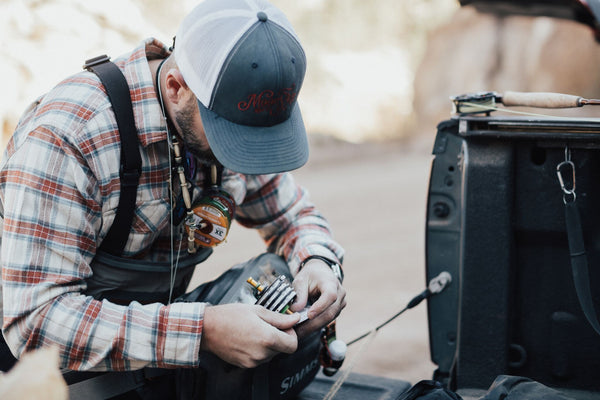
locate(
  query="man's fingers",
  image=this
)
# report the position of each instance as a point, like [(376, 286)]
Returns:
[(287, 341), (281, 337), (329, 313), (323, 316), (247, 335), (301, 288), (327, 297), (278, 320)]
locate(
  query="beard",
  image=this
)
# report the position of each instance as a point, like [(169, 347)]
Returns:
[(184, 120)]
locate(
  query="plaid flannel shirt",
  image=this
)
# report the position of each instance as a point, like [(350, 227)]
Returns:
[(59, 190)]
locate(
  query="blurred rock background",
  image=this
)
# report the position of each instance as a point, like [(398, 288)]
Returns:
[(378, 70), (380, 74), (483, 52), (363, 56)]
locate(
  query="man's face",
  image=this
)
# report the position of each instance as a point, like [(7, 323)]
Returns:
[(192, 132)]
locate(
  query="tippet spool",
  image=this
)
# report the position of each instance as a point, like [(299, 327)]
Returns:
[(210, 218)]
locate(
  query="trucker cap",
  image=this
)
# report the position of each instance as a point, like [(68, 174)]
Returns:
[(245, 64)]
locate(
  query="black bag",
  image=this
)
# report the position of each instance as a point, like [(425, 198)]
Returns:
[(505, 387), (429, 390), (283, 377)]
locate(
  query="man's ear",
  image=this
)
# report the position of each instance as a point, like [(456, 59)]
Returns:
[(177, 90)]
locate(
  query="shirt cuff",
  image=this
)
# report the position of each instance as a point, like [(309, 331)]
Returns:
[(183, 334)]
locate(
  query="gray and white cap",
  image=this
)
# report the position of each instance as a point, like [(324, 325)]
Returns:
[(245, 64)]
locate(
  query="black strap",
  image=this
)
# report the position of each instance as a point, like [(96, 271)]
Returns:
[(105, 385), (131, 162), (260, 382), (579, 264)]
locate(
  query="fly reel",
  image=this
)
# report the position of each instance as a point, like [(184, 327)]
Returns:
[(278, 296)]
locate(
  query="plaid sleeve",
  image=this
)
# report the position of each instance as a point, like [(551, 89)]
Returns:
[(287, 220), (52, 216)]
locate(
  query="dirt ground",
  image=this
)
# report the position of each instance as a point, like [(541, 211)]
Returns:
[(374, 196)]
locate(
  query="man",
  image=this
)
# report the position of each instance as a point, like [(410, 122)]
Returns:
[(225, 96)]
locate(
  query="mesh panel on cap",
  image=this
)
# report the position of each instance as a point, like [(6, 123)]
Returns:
[(208, 34), (201, 55)]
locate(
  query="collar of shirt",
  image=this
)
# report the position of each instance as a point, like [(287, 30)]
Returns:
[(146, 107)]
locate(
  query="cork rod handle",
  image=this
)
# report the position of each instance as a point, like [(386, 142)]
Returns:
[(541, 100)]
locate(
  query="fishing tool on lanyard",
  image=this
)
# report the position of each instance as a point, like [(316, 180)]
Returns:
[(208, 220)]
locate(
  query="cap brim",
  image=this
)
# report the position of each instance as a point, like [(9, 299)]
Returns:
[(256, 149)]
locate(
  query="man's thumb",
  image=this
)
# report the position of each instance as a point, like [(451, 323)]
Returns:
[(279, 320)]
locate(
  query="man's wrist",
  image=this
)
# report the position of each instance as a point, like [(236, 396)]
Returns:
[(334, 265)]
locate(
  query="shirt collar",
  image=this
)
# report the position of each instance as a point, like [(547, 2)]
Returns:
[(148, 113)]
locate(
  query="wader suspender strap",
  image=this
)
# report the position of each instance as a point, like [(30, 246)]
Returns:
[(579, 264), (131, 163), (109, 384)]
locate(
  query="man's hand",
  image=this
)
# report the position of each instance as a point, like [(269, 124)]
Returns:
[(36, 376), (247, 335), (317, 281)]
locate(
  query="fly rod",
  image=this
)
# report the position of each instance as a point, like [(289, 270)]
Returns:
[(485, 101)]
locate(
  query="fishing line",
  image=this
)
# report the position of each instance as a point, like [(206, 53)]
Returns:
[(173, 264), (436, 285), (346, 371)]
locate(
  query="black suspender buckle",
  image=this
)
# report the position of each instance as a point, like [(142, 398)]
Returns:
[(92, 62), (130, 177)]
